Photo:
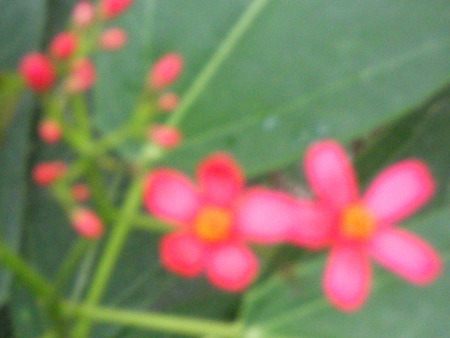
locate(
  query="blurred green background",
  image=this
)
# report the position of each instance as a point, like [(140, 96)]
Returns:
[(263, 79)]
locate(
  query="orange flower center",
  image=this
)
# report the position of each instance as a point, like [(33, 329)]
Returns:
[(213, 224), (357, 222)]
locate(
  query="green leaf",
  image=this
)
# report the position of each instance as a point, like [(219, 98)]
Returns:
[(265, 79), (21, 27), (14, 156), (292, 304)]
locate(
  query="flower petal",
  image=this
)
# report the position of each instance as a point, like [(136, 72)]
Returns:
[(347, 277), (265, 216), (406, 254), (220, 178), (313, 227), (182, 254), (232, 267), (331, 174), (171, 196), (399, 191)]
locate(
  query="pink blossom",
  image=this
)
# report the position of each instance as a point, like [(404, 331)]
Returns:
[(113, 39), (87, 223), (168, 102), (165, 136), (45, 173), (81, 192), (38, 72), (50, 131), (113, 8), (360, 228), (82, 76), (83, 14), (215, 220), (166, 71), (64, 45)]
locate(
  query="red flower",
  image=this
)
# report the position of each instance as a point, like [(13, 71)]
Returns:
[(50, 131), (360, 228), (166, 71), (45, 173), (215, 220), (113, 8), (64, 45), (113, 39), (38, 72)]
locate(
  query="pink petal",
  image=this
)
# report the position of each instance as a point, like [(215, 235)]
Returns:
[(314, 226), (232, 267), (399, 191), (347, 277), (406, 255), (182, 254), (221, 179), (171, 196), (265, 216), (331, 174)]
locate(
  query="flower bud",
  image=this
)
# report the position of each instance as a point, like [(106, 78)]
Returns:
[(64, 45), (82, 76), (50, 131), (168, 102), (46, 173), (165, 71), (87, 223), (81, 192), (83, 14), (112, 8), (38, 72), (113, 39), (165, 136)]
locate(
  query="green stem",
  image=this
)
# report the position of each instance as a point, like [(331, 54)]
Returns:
[(101, 199), (156, 321), (70, 263), (36, 283), (111, 253), (148, 223), (32, 279)]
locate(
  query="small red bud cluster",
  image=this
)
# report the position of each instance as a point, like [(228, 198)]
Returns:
[(164, 73)]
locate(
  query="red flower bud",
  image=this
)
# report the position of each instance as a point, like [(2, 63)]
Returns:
[(64, 45), (46, 173), (83, 14), (112, 8), (87, 223), (50, 131), (113, 39), (38, 72), (165, 71), (168, 102), (165, 136), (82, 77), (81, 192)]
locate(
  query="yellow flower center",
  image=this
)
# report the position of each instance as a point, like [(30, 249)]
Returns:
[(357, 222), (213, 224)]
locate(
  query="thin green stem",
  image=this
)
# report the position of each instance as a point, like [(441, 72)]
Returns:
[(35, 283), (101, 199), (148, 223), (156, 321), (70, 263), (81, 114), (31, 278), (111, 253)]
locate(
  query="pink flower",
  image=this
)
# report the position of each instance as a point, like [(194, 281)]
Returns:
[(214, 220), (46, 173), (362, 227), (166, 71), (113, 8), (113, 39), (38, 72), (87, 223), (50, 131), (83, 76), (166, 137), (64, 45), (83, 14)]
